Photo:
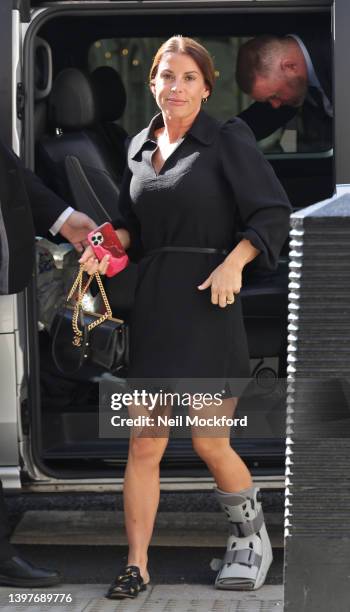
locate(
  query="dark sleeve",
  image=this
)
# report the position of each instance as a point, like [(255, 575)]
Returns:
[(262, 203), (264, 120), (127, 219), (45, 204)]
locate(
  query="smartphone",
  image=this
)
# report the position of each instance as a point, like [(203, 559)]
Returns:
[(105, 241)]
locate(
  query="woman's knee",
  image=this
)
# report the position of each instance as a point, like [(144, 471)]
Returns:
[(149, 450), (210, 449)]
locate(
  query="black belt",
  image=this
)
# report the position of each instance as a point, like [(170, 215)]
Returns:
[(174, 249)]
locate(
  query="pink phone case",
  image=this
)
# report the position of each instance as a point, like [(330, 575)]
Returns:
[(105, 241)]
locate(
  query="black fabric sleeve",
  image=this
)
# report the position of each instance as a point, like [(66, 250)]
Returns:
[(127, 219), (46, 205), (264, 120), (262, 203)]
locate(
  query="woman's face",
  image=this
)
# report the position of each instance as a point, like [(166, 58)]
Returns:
[(179, 86)]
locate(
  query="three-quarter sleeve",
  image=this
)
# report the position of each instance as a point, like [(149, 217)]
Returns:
[(127, 219), (261, 201)]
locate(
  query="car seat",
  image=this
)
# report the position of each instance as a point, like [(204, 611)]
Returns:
[(74, 159), (110, 98)]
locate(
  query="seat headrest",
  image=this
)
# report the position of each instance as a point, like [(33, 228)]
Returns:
[(72, 103), (110, 94)]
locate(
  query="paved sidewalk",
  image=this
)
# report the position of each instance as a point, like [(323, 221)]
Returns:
[(159, 598), (87, 546)]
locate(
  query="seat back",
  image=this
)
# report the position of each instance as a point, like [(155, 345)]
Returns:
[(110, 97), (83, 157), (74, 159)]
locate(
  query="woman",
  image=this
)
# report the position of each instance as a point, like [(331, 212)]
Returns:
[(198, 203)]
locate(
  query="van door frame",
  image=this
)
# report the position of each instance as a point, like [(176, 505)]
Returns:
[(6, 70), (341, 94), (47, 13), (11, 306)]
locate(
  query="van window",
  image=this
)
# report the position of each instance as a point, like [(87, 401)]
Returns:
[(132, 58)]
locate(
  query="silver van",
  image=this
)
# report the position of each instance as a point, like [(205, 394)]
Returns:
[(49, 438)]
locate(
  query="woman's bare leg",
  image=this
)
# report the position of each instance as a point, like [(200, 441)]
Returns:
[(141, 496), (229, 471)]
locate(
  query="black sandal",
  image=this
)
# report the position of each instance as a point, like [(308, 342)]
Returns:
[(128, 584)]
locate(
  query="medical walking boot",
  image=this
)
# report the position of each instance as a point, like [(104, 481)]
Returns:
[(249, 552)]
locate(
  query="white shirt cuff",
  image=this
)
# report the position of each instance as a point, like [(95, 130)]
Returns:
[(55, 228)]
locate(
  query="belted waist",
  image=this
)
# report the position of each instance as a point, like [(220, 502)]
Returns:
[(174, 249)]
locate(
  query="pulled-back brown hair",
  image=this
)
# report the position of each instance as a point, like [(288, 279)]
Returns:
[(188, 46)]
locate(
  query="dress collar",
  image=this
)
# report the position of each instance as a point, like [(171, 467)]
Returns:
[(203, 129)]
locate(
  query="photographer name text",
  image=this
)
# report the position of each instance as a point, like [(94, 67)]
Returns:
[(178, 421)]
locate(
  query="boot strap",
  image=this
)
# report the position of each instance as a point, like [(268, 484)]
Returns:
[(241, 530), (247, 556)]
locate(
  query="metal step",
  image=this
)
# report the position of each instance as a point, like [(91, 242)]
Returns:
[(106, 528)]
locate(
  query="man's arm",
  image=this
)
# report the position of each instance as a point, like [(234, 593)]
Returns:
[(47, 207), (263, 120), (45, 204)]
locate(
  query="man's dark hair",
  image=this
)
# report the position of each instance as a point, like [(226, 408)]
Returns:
[(255, 58)]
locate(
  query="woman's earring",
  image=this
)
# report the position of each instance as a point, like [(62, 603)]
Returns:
[(204, 100)]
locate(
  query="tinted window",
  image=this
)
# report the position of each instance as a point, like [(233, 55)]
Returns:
[(132, 58)]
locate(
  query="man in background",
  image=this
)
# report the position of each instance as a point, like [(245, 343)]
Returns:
[(284, 74)]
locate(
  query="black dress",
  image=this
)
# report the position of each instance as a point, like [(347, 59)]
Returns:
[(213, 190)]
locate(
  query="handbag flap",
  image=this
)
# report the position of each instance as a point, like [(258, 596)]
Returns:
[(105, 339)]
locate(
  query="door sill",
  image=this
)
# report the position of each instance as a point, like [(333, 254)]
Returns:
[(116, 484)]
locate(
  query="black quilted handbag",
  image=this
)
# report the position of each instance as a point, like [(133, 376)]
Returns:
[(80, 337)]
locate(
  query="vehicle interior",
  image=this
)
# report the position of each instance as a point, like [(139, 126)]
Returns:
[(89, 95)]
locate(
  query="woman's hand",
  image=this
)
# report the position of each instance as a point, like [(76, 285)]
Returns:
[(91, 263), (225, 281)]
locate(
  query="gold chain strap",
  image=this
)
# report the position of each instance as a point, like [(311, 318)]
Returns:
[(78, 284)]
